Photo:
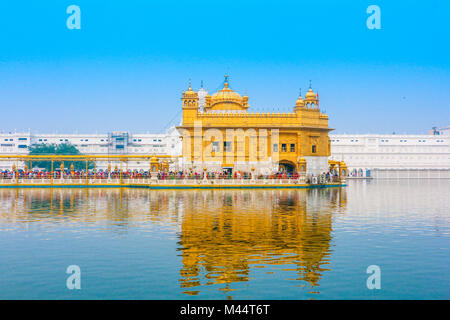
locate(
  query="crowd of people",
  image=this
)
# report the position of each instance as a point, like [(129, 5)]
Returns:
[(324, 177), (162, 175), (136, 174)]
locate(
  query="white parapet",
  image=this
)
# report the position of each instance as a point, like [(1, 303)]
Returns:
[(316, 165)]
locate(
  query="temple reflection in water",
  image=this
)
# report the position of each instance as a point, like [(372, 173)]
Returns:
[(222, 235), (225, 234)]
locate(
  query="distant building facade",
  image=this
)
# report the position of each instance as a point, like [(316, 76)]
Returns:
[(393, 156), (114, 143)]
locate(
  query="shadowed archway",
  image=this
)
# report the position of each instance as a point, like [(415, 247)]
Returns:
[(287, 166)]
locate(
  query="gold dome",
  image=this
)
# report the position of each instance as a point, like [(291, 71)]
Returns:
[(310, 95), (300, 102), (227, 99)]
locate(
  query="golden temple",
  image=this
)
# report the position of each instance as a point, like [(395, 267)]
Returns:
[(225, 135)]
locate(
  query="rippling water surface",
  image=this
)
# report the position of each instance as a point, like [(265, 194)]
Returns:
[(228, 244)]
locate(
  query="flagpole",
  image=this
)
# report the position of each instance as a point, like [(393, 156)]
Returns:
[(317, 99)]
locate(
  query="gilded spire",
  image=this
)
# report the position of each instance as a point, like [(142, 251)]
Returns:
[(226, 81), (189, 93), (300, 102)]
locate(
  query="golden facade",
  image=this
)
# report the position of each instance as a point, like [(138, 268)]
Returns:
[(226, 135)]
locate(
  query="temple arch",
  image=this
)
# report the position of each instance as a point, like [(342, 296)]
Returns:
[(287, 166)]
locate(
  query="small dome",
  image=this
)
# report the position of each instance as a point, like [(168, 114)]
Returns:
[(300, 102), (310, 95)]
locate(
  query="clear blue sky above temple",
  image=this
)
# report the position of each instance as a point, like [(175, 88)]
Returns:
[(126, 67)]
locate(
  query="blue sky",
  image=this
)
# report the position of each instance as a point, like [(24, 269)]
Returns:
[(127, 66)]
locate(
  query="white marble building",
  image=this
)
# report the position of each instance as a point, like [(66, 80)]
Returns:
[(393, 156), (113, 143)]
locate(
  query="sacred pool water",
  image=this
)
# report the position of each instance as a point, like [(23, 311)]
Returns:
[(228, 244)]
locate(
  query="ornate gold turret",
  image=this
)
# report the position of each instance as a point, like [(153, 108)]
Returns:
[(302, 164), (342, 170), (165, 166), (299, 104), (190, 98), (245, 101), (310, 98), (207, 101), (310, 95), (154, 164)]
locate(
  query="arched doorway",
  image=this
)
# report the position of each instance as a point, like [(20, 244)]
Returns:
[(286, 166)]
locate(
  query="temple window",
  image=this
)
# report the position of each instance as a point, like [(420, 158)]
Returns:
[(215, 146), (227, 146), (275, 147), (283, 147), (314, 149), (292, 147)]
